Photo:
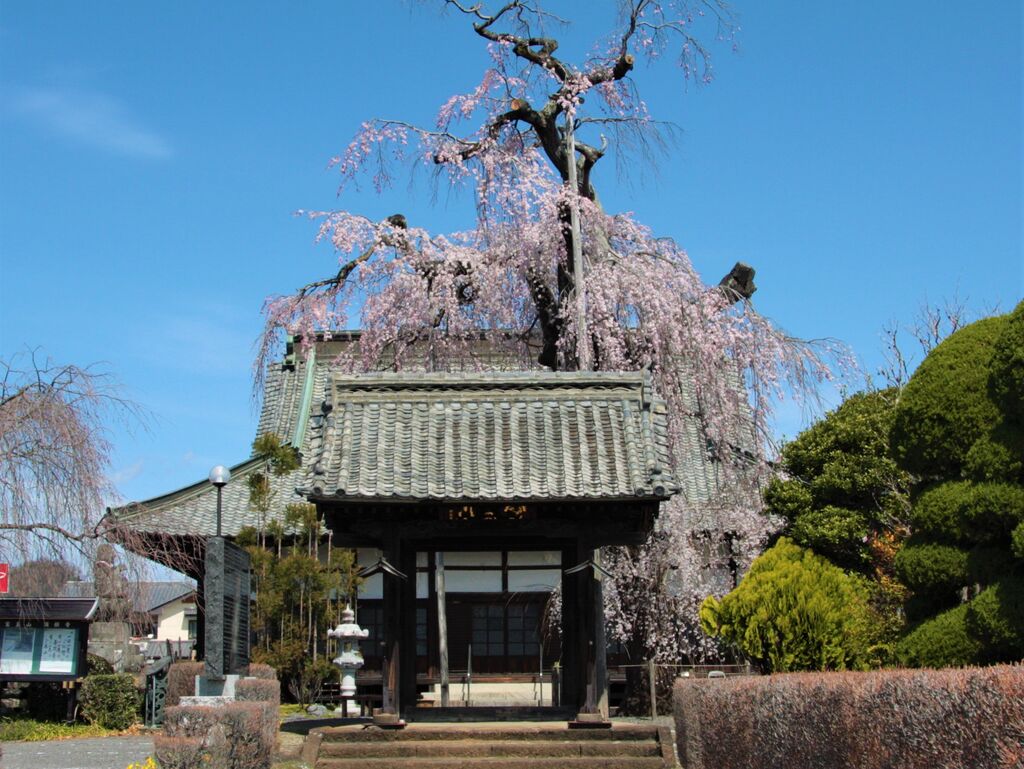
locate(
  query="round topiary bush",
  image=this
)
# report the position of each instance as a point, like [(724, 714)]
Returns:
[(962, 511), (941, 642), (1006, 381), (932, 567), (945, 406), (996, 617), (937, 512), (997, 456)]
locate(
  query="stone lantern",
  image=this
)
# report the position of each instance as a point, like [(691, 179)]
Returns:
[(350, 659)]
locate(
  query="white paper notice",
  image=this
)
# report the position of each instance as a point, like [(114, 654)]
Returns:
[(58, 651), (16, 651)]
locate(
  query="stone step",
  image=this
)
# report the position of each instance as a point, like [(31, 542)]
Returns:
[(426, 732), (481, 748), (495, 762), (488, 713)]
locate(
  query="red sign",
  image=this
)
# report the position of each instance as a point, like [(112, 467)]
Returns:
[(5, 569)]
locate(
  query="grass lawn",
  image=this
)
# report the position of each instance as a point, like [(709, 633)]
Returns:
[(30, 730)]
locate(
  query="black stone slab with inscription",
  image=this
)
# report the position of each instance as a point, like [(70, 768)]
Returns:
[(227, 608)]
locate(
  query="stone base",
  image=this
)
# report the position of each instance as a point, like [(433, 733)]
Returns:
[(590, 721), (387, 721), (206, 702), (212, 687)]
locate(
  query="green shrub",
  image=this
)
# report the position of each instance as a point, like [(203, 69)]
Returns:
[(945, 406), (1017, 540), (963, 511), (937, 512), (987, 564), (99, 666), (997, 456), (996, 618), (837, 533), (787, 498), (1006, 381), (793, 611), (111, 701), (932, 567), (940, 642)]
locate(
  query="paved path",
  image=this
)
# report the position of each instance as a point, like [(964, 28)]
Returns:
[(94, 753)]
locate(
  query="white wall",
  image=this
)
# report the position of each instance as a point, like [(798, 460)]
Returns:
[(172, 622)]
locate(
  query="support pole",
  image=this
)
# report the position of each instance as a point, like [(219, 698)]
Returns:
[(442, 626), (652, 672)]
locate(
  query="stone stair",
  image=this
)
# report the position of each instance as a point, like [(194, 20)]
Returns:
[(490, 746)]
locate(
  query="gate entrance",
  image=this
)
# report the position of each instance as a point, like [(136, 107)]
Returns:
[(516, 481)]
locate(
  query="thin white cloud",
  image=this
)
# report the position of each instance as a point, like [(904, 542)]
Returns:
[(91, 118), (126, 474)]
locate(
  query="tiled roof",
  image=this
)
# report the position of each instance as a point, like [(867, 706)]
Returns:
[(293, 395), (536, 435), (146, 596), (193, 510)]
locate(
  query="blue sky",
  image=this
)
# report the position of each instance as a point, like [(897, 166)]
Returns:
[(864, 157)]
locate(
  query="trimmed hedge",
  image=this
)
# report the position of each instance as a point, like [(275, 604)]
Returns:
[(258, 670), (998, 456), (181, 680), (912, 719), (258, 690), (178, 752), (240, 735), (931, 566), (111, 701), (942, 641), (996, 617), (962, 511), (945, 406)]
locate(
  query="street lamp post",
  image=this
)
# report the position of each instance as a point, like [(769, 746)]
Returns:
[(219, 476)]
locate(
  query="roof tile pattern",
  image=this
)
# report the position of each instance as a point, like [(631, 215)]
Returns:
[(490, 436), (192, 510)]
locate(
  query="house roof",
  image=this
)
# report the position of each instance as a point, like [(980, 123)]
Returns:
[(64, 609), (146, 596), (523, 435), (294, 392)]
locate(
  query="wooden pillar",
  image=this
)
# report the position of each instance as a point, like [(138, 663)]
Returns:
[(407, 638), (392, 627), (440, 594), (600, 643), (583, 639)]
